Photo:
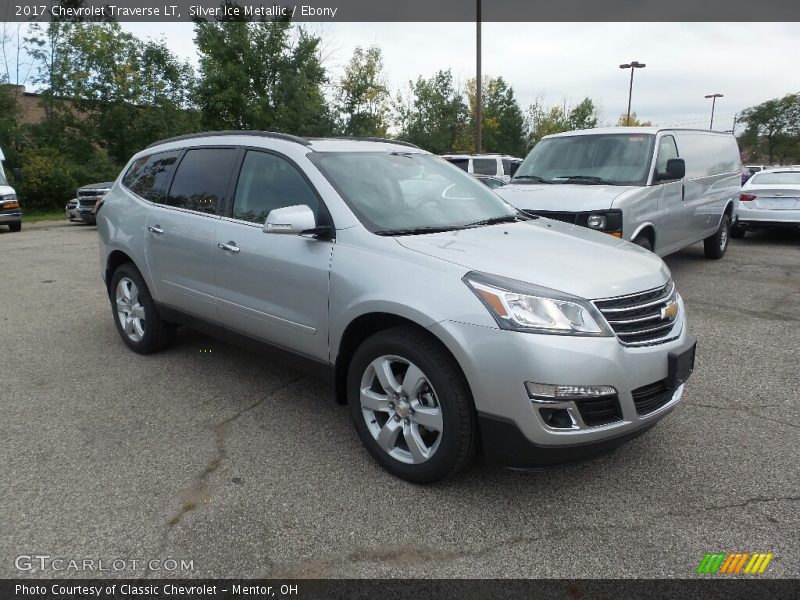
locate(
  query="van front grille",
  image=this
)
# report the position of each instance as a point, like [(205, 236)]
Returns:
[(641, 319)]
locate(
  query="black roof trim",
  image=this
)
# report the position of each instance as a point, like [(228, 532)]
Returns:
[(368, 139), (267, 134)]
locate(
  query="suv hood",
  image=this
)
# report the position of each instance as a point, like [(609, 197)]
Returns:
[(560, 196), (556, 255), (97, 186)]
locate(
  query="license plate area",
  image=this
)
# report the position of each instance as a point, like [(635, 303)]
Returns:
[(680, 365)]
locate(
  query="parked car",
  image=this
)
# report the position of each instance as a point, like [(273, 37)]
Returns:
[(491, 182), (10, 212), (442, 329), (770, 198), (501, 166), (749, 170), (663, 189), (81, 208)]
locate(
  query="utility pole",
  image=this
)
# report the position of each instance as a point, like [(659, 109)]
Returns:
[(713, 104), (632, 66), (478, 83)]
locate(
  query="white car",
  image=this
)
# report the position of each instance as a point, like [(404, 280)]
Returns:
[(770, 198)]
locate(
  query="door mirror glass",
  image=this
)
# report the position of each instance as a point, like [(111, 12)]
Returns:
[(290, 219), (676, 169)]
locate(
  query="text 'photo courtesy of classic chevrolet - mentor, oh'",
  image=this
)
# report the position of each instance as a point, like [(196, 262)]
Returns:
[(449, 321), (662, 189)]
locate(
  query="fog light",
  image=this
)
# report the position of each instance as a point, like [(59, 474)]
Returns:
[(544, 392), (557, 418), (597, 221)]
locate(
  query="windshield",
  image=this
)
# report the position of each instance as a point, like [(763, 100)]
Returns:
[(3, 180), (400, 193), (614, 159), (781, 178)]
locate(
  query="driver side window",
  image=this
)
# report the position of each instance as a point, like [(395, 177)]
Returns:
[(267, 182), (666, 150)]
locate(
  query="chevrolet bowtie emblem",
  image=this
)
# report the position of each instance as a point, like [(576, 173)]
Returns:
[(670, 311)]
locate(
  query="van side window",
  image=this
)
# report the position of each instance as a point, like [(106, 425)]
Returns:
[(147, 175), (268, 182), (461, 163), (201, 180), (666, 150), (484, 166), (510, 166)]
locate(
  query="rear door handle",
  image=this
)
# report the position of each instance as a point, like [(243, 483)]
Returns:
[(230, 247), (155, 229)]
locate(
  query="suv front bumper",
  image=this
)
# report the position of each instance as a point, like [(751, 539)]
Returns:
[(497, 363)]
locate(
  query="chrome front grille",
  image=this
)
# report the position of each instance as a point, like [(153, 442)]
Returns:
[(642, 319)]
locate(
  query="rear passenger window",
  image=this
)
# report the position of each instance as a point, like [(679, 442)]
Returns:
[(147, 175), (202, 179), (484, 166), (268, 182), (461, 163)]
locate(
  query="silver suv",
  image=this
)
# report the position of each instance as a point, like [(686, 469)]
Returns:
[(448, 320)]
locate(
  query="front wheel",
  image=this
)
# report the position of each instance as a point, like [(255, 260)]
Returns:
[(135, 313), (644, 242), (411, 406), (715, 245), (15, 226)]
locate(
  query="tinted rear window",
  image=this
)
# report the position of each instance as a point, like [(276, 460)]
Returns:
[(461, 163), (201, 180), (484, 166), (147, 175)]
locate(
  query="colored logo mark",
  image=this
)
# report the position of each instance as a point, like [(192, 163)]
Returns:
[(734, 563)]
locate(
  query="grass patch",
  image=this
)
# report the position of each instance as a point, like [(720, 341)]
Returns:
[(34, 216)]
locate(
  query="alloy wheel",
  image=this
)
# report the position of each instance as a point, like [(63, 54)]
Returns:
[(130, 311)]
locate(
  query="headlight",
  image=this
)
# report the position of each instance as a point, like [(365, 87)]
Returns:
[(597, 221), (8, 197), (521, 306)]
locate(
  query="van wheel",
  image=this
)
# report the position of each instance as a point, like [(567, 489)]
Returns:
[(644, 242), (411, 407), (15, 226), (737, 232), (135, 313), (715, 245)]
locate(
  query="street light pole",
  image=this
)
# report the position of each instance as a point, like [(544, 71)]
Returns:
[(713, 104), (631, 65), (478, 83)]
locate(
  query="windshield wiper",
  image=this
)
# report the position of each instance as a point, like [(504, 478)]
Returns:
[(535, 178), (497, 220), (589, 179), (419, 230)]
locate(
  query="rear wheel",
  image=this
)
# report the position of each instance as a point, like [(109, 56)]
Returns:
[(15, 226), (411, 406), (715, 245), (135, 313)]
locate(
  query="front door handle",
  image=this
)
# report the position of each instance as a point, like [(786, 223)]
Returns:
[(230, 247), (155, 229)]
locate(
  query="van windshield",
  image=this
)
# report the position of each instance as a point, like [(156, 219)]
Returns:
[(3, 180), (612, 159), (399, 193)]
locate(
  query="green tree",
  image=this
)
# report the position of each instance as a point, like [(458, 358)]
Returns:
[(543, 120), (634, 121), (261, 75), (363, 102), (433, 114), (772, 128), (503, 124)]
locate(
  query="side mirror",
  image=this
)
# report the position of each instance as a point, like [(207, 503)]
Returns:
[(676, 169), (17, 174), (290, 219)]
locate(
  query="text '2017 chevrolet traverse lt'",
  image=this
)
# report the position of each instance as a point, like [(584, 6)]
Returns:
[(447, 319)]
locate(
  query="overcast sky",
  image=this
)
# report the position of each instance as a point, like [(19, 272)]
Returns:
[(747, 62)]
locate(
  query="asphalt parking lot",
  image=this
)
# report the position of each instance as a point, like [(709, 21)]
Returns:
[(215, 454)]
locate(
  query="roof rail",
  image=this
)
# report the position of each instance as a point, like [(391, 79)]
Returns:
[(267, 134), (369, 139)]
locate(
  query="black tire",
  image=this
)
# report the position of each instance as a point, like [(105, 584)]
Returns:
[(644, 242), (158, 334), (15, 226), (737, 232), (457, 446), (716, 245)]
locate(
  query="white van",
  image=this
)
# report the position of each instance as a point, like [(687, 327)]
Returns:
[(501, 166), (10, 213), (663, 189)]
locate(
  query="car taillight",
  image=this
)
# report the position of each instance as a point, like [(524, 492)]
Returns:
[(747, 197)]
